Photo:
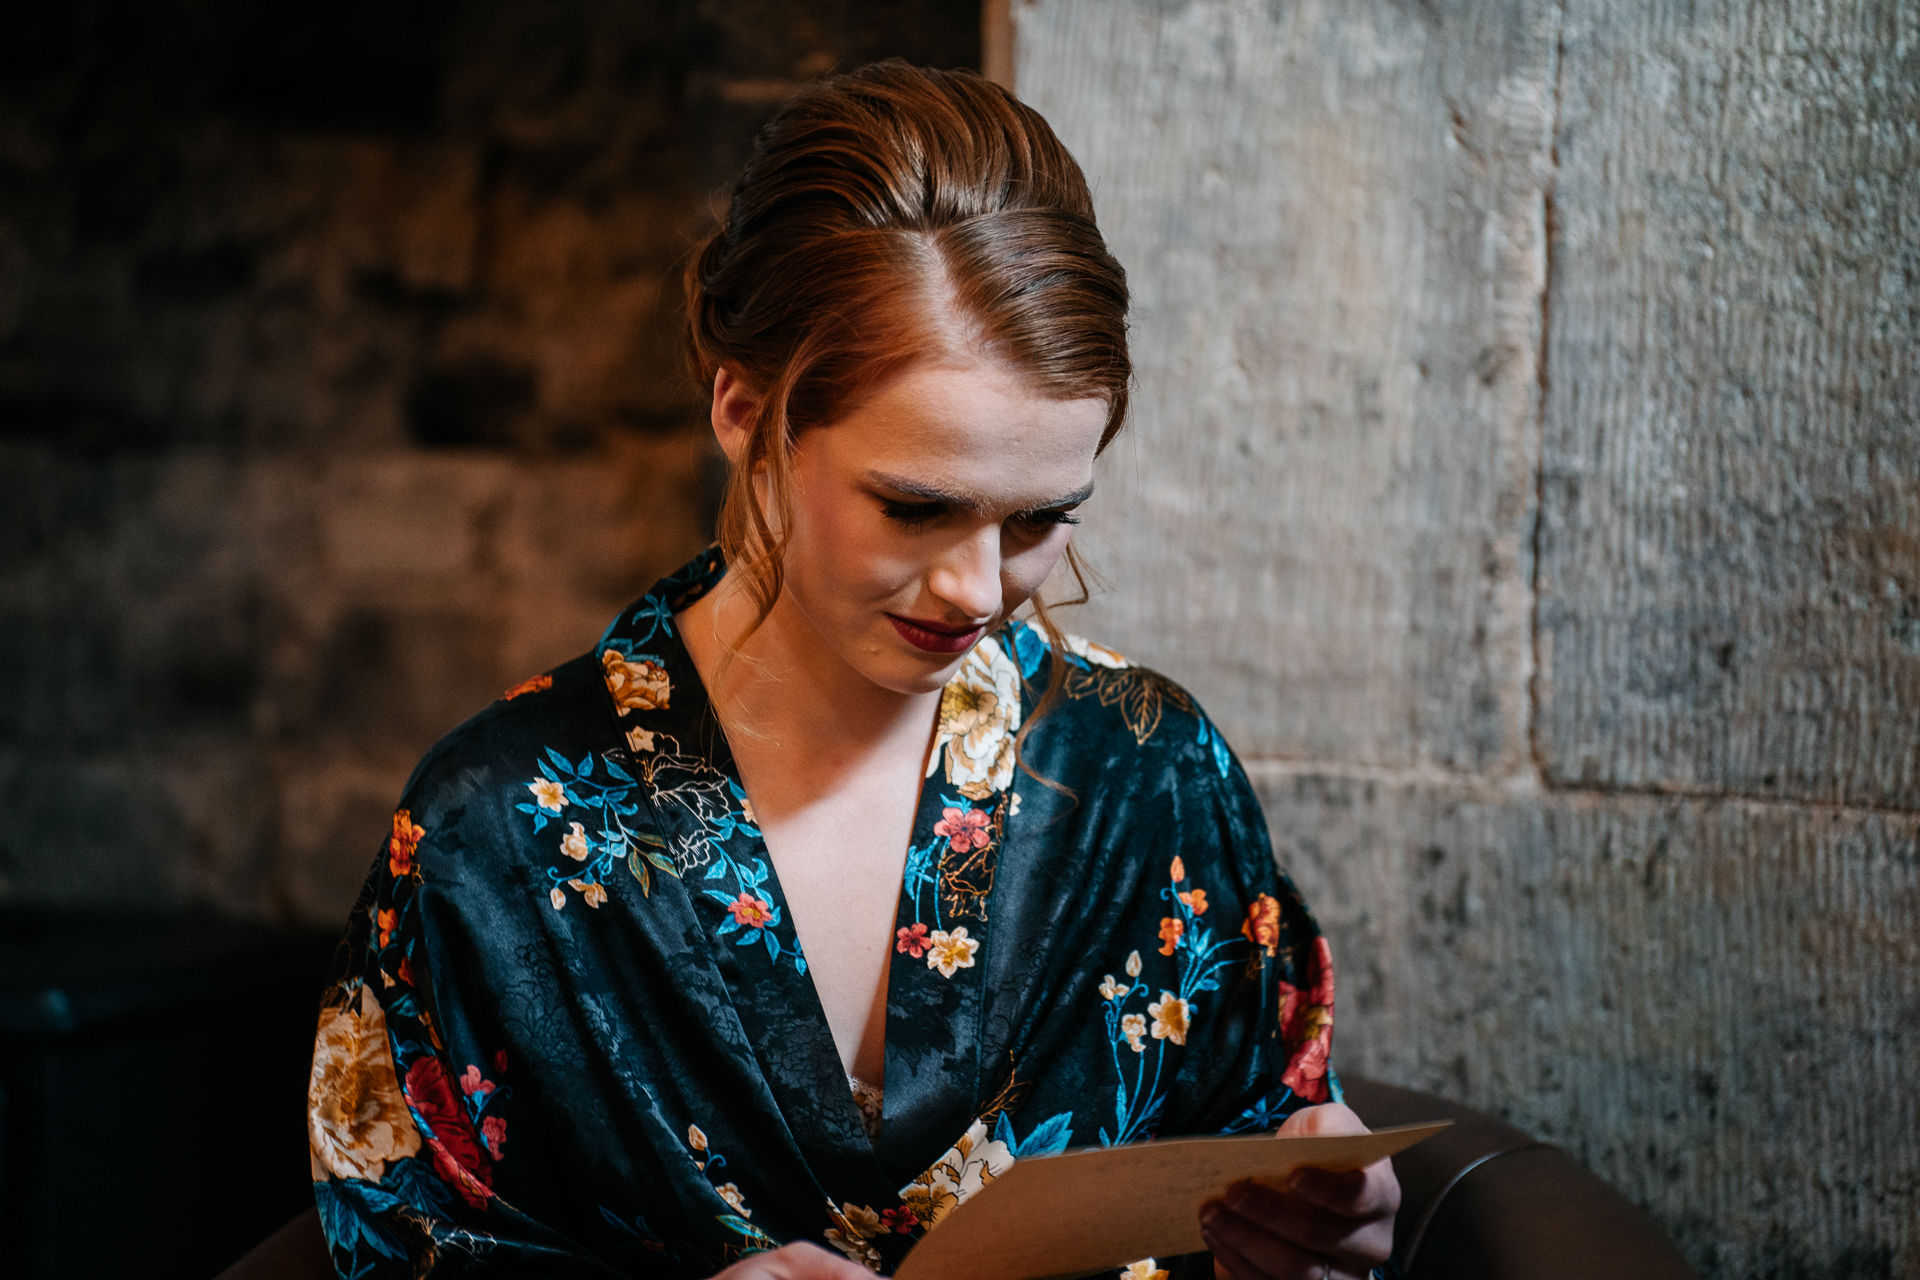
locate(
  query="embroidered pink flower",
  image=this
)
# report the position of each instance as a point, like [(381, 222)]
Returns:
[(494, 1130), (1306, 1025), (472, 1084), (965, 829), (750, 910), (457, 1154), (912, 941), (500, 1062)]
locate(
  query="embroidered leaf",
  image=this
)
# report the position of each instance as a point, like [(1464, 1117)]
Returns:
[(618, 772), (559, 760), (1003, 1133), (640, 873), (666, 864), (586, 766), (773, 945), (1050, 1138)]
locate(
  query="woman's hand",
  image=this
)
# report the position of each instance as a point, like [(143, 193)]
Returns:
[(1326, 1226), (801, 1261)]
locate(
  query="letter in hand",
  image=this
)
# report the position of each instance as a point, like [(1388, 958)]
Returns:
[(1325, 1226), (801, 1261)]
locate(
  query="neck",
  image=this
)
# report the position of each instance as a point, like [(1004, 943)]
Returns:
[(798, 717)]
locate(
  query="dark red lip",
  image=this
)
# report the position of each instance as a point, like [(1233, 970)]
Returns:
[(932, 638)]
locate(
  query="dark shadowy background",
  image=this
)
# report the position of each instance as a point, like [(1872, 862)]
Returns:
[(339, 390)]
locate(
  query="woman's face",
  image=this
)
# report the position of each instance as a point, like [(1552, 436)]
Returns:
[(929, 514)]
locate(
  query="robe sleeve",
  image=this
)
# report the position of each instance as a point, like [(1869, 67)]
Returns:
[(1260, 1019), (408, 1115)]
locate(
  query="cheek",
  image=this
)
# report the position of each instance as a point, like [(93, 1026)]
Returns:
[(1025, 570)]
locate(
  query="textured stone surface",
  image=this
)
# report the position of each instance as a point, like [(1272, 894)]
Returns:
[(1730, 561), (1333, 220), (1714, 1004), (1475, 337)]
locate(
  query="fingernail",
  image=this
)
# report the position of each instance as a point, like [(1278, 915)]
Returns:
[(1209, 1214)]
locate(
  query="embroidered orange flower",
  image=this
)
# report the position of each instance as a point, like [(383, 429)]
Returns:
[(403, 842), (1170, 931), (912, 941), (538, 684), (903, 1220), (750, 910), (964, 829), (1262, 925), (1196, 901), (406, 971), (1179, 869), (387, 919)]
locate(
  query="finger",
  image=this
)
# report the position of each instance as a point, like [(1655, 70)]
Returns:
[(1372, 1192), (1327, 1119), (1269, 1263), (805, 1260), (1357, 1244), (1242, 1252)]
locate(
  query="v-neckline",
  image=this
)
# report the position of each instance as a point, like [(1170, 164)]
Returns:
[(934, 991)]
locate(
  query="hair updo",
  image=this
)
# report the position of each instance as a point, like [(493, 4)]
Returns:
[(887, 216)]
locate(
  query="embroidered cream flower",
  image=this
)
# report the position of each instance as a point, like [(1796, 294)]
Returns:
[(970, 1164), (1133, 965), (548, 794), (951, 951), (1169, 1018), (979, 716), (357, 1118), (1145, 1269), (558, 897), (696, 1138), (639, 739), (635, 686), (853, 1225), (731, 1194), (1111, 990), (1134, 1028), (574, 843), (595, 894), (1098, 654)]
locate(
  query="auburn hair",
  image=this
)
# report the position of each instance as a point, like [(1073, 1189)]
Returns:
[(888, 216)]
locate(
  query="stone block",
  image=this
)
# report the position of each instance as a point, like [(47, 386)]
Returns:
[(1714, 1004), (1730, 545), (1332, 217)]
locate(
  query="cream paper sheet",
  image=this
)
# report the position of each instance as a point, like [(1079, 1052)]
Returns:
[(1086, 1211)]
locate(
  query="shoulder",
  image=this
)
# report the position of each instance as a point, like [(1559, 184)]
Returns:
[(1112, 711), (495, 758)]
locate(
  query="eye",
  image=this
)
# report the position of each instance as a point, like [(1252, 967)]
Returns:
[(912, 515), (1044, 521)]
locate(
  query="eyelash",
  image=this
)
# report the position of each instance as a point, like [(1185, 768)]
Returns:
[(915, 515)]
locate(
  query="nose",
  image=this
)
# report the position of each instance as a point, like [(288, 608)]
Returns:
[(966, 577)]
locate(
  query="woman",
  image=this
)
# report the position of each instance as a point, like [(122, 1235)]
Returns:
[(823, 889)]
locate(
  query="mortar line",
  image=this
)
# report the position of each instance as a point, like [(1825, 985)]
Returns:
[(1549, 226), (1522, 785)]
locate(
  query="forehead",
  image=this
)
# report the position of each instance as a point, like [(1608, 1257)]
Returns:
[(979, 430)]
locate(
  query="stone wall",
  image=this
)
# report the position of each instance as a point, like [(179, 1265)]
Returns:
[(338, 391), (1526, 474)]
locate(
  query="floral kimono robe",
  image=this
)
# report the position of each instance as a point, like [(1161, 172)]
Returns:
[(570, 1031)]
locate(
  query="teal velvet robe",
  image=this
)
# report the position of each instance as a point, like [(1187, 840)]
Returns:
[(570, 1031)]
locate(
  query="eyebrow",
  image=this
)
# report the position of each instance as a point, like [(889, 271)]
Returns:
[(972, 502)]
